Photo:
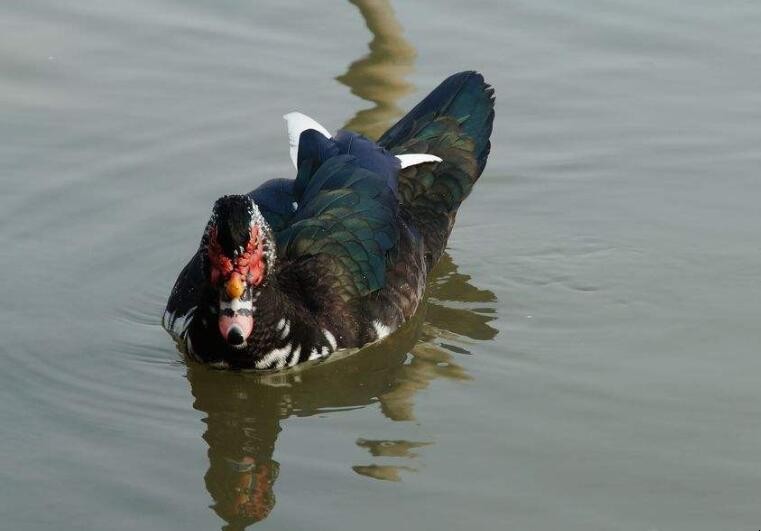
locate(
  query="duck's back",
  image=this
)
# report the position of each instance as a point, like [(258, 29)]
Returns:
[(378, 228)]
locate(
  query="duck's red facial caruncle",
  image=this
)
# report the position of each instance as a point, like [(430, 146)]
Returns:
[(246, 268), (237, 277)]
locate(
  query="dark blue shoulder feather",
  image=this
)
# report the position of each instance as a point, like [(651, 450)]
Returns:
[(275, 199), (370, 155), (314, 149)]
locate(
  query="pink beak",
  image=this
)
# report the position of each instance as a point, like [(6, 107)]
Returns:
[(236, 329)]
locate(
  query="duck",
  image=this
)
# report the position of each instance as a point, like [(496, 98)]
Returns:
[(337, 257)]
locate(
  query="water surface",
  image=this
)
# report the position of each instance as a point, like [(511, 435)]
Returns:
[(588, 355)]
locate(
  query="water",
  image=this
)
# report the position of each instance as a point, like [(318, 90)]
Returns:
[(589, 354)]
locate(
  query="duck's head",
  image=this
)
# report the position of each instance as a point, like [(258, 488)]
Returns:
[(239, 255)]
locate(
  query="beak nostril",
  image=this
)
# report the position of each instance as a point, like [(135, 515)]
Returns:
[(235, 336)]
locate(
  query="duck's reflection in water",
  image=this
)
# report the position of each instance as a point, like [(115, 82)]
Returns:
[(378, 77), (385, 448), (455, 312), (244, 410)]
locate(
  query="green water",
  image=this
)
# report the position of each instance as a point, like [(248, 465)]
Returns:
[(588, 357)]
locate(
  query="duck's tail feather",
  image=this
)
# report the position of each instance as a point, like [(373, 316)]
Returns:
[(454, 122)]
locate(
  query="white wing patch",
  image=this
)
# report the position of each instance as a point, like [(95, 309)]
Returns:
[(167, 320), (316, 354), (295, 357), (381, 330), (331, 338), (178, 325), (416, 158), (278, 356), (297, 123)]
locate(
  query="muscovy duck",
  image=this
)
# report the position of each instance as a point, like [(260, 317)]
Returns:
[(337, 257)]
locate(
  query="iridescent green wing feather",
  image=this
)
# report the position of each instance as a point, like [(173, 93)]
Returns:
[(347, 219), (454, 122)]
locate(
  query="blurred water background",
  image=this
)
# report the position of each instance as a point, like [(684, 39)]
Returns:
[(588, 358)]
